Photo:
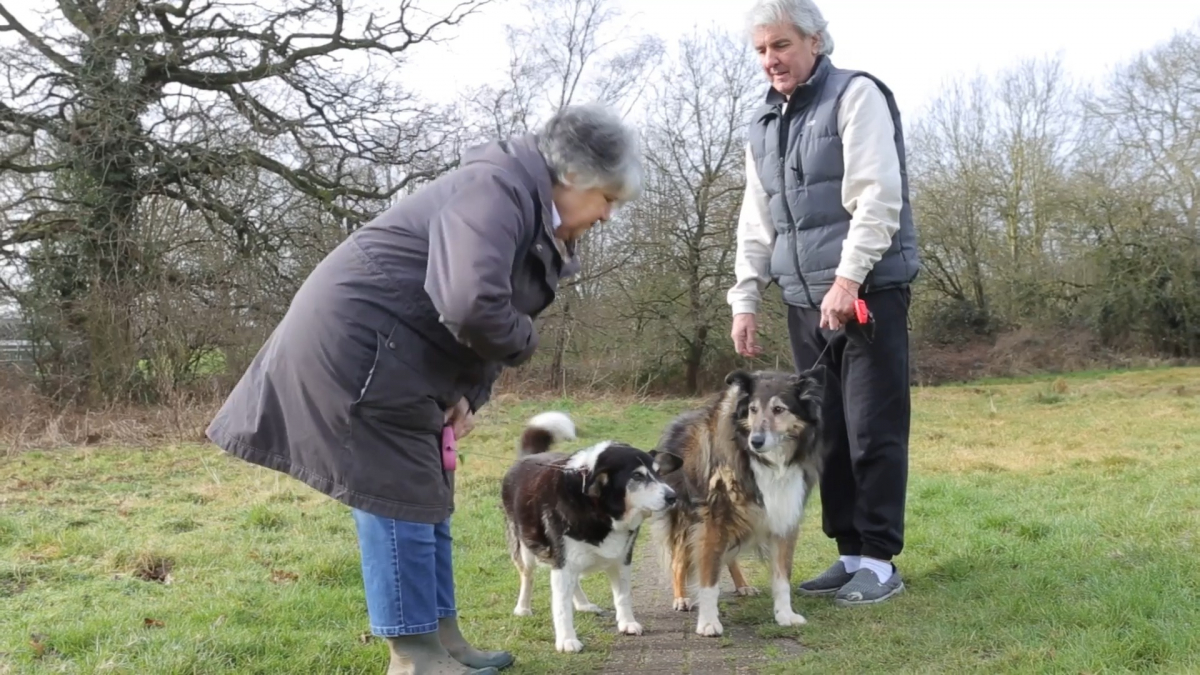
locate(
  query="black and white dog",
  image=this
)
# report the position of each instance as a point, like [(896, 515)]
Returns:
[(578, 514)]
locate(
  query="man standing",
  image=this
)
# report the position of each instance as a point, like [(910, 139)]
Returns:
[(826, 216)]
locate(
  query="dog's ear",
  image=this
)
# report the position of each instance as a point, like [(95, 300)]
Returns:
[(740, 379), (810, 390), (593, 481), (812, 382), (742, 384), (666, 462)]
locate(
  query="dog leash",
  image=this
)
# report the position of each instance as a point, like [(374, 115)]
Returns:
[(450, 442), (450, 454), (864, 318), (819, 356)]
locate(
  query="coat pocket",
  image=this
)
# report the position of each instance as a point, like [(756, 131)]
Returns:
[(395, 427), (406, 386), (393, 461)]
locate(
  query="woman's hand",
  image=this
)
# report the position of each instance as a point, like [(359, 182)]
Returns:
[(461, 418)]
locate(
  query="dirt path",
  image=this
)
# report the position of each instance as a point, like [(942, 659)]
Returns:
[(670, 643)]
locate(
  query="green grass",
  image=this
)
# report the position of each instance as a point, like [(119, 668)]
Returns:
[(1052, 527)]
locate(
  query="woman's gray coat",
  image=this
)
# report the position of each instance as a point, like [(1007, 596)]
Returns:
[(410, 313)]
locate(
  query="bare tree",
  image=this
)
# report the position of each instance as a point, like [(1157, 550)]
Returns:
[(235, 113), (990, 165), (948, 156), (1151, 112), (1138, 201), (568, 51), (687, 223), (1036, 124)]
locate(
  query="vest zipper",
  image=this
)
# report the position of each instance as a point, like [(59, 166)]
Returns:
[(793, 234)]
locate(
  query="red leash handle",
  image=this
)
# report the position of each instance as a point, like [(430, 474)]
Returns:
[(860, 311)]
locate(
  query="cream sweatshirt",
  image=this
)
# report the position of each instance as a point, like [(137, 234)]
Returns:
[(870, 193)]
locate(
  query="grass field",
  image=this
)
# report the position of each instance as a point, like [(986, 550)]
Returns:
[(1053, 527)]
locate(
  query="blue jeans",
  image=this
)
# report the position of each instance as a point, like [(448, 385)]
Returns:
[(407, 574)]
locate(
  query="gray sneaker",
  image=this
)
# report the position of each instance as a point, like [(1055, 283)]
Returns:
[(865, 589), (827, 582)]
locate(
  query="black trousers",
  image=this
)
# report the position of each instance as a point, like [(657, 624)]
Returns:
[(867, 416)]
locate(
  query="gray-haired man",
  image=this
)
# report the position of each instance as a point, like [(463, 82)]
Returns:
[(826, 216)]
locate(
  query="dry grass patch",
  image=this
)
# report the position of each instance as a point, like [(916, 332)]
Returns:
[(1047, 424)]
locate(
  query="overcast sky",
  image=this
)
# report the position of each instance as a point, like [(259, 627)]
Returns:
[(913, 45)]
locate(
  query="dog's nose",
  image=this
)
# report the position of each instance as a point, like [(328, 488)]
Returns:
[(669, 497), (757, 440)]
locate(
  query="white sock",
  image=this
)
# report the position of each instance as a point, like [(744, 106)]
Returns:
[(852, 563), (881, 568)]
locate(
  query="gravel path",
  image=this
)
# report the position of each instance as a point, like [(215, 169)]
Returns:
[(670, 643)]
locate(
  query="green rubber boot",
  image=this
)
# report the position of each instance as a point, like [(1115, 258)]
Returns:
[(423, 654), (454, 642)]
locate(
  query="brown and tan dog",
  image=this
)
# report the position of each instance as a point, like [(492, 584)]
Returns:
[(751, 457)]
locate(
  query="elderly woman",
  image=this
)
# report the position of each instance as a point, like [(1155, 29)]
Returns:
[(400, 332), (827, 217)]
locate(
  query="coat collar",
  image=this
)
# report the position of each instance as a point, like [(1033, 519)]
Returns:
[(804, 92), (524, 149)]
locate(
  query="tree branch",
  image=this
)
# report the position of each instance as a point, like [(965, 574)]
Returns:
[(36, 42)]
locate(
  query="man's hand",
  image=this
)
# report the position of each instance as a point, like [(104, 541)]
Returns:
[(461, 418), (745, 334), (838, 306)]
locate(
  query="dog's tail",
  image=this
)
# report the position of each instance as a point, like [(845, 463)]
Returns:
[(543, 431)]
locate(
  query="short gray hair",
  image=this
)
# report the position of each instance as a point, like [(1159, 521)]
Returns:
[(589, 146), (804, 15)]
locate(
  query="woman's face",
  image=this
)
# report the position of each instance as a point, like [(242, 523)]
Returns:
[(580, 209)]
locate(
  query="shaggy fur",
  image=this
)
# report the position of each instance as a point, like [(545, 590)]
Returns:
[(578, 514), (751, 457)]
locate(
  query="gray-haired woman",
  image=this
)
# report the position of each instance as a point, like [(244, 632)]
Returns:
[(400, 332)]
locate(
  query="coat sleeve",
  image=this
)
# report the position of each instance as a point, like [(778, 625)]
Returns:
[(479, 395), (472, 244)]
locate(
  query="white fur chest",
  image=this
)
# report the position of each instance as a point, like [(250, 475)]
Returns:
[(783, 493), (585, 557)]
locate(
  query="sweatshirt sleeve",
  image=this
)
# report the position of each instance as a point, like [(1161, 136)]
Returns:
[(755, 237), (871, 188)]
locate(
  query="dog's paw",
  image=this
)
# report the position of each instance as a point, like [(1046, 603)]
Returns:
[(522, 611), (710, 628), (589, 608), (745, 591), (629, 627), (570, 646), (683, 604), (789, 619)]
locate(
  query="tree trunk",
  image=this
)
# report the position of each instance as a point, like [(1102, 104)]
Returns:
[(694, 361)]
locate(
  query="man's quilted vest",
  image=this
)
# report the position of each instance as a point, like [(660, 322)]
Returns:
[(810, 221)]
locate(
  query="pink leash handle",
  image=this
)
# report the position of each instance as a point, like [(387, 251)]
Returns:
[(449, 449)]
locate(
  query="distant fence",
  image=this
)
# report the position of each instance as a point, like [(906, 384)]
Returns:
[(16, 351)]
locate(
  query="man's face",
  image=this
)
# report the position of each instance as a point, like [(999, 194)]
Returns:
[(787, 57)]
